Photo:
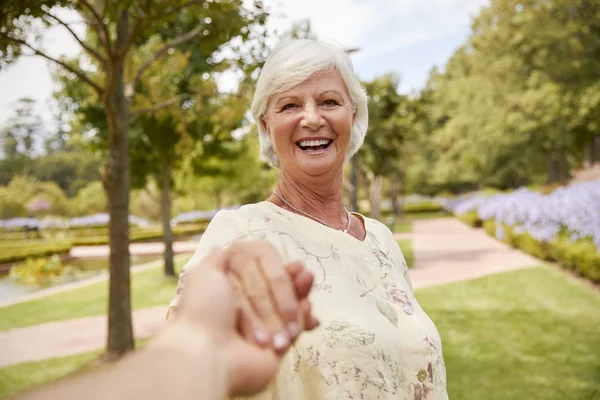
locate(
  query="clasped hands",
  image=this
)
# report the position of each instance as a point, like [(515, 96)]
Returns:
[(250, 305)]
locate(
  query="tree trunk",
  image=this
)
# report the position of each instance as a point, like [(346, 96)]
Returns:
[(117, 185), (396, 189), (564, 169), (552, 167), (375, 196), (165, 213)]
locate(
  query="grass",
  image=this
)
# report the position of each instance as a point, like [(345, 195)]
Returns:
[(405, 223), (18, 378), (407, 250), (149, 288), (403, 226), (530, 334)]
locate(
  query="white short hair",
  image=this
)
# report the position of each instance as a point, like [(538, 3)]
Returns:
[(290, 64)]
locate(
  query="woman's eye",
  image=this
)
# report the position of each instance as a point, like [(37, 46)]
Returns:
[(330, 102), (288, 107)]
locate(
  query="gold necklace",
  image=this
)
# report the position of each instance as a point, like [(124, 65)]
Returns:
[(287, 203)]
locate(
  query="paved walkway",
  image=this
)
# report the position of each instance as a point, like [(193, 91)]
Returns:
[(445, 250)]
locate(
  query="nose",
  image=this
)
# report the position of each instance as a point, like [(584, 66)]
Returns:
[(311, 118)]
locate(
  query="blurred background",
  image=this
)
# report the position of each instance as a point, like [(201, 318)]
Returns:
[(482, 156)]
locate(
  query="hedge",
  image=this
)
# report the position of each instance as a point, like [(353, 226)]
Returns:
[(11, 251), (423, 207), (580, 256)]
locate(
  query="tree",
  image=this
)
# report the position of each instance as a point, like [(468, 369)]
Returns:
[(161, 140), (518, 103), (113, 29), (381, 150), (24, 132)]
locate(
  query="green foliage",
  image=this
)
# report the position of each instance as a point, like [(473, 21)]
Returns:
[(91, 199), (142, 235), (490, 227), (471, 218), (423, 207), (35, 198), (516, 104), (580, 256), (23, 250), (39, 271)]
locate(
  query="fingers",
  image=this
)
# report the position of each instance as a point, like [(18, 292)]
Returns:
[(302, 278), (282, 290), (310, 322), (248, 266), (249, 324), (272, 298)]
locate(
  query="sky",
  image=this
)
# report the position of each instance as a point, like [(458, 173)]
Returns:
[(405, 37)]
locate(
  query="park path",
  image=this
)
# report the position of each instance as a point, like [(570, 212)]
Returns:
[(445, 250)]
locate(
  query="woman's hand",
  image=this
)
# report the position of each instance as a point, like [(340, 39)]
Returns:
[(210, 308), (273, 296)]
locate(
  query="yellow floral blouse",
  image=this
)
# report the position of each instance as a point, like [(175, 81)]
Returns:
[(375, 341)]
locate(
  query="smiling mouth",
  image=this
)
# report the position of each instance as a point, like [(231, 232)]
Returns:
[(313, 144)]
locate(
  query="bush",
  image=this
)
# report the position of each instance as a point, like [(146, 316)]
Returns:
[(471, 218), (24, 250), (39, 271), (422, 207), (490, 227), (580, 256), (140, 235)]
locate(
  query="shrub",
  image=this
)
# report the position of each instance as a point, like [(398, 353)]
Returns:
[(471, 218), (581, 256), (422, 207), (490, 227), (24, 250), (38, 271)]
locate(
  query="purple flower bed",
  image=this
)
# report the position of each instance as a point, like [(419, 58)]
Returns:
[(96, 220), (573, 210)]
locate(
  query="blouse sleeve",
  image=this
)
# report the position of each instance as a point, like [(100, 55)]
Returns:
[(224, 228)]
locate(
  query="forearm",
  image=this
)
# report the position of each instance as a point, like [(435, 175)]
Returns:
[(178, 365)]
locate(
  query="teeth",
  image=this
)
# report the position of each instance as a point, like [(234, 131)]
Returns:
[(310, 143)]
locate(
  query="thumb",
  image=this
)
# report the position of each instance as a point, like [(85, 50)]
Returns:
[(208, 297)]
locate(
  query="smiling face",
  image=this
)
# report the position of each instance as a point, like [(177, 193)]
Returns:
[(310, 126)]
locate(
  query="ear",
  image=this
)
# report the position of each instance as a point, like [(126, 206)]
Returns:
[(265, 125)]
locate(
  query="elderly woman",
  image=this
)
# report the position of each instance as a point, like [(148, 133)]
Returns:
[(374, 340)]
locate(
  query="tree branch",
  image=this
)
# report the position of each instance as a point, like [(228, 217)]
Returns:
[(187, 4), (102, 30), (175, 42), (161, 106), (79, 74), (137, 29), (85, 46)]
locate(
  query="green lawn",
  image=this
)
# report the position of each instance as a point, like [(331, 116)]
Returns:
[(407, 250), (24, 376), (530, 334), (149, 288), (403, 226)]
